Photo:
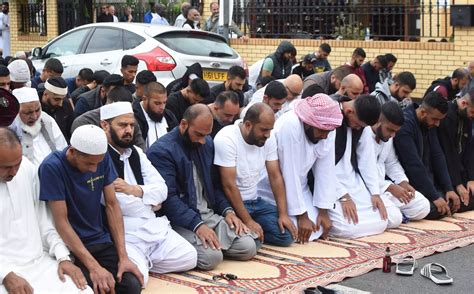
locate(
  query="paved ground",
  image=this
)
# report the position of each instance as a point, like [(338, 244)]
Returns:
[(460, 265)]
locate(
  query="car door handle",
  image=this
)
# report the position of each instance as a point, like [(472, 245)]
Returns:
[(106, 62), (64, 64)]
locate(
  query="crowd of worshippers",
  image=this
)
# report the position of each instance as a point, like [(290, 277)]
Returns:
[(105, 178)]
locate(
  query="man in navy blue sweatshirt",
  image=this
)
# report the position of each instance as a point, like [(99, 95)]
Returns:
[(421, 156)]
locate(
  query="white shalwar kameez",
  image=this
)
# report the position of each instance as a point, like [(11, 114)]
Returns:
[(297, 157), (30, 245), (361, 191), (35, 146), (150, 241), (388, 165)]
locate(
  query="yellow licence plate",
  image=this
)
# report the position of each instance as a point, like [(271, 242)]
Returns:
[(214, 75)]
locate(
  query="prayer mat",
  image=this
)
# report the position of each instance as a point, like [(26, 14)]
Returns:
[(292, 269)]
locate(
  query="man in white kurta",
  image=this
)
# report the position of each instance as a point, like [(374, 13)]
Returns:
[(362, 211), (305, 140), (150, 241), (31, 249), (5, 30), (396, 189), (41, 134)]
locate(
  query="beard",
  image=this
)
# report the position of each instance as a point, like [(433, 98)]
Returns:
[(187, 141), (310, 135), (33, 130), (125, 142), (253, 140), (156, 117), (380, 135)]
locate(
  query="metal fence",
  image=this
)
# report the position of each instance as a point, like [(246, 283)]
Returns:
[(138, 12), (33, 19), (344, 19)]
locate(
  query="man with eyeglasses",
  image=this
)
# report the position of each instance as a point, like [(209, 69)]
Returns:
[(292, 86)]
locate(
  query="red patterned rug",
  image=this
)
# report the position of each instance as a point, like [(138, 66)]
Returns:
[(277, 269)]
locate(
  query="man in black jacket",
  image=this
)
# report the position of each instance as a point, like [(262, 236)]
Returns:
[(449, 87), (152, 117), (235, 82), (279, 63), (418, 149), (455, 137)]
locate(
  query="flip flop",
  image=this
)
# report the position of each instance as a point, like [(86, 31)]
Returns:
[(406, 266), (437, 273)]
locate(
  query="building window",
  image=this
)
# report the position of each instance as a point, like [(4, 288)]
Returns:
[(33, 18)]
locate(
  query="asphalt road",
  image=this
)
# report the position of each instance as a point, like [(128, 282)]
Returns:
[(459, 263)]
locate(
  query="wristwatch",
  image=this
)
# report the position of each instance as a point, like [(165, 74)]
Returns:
[(345, 198), (65, 258)]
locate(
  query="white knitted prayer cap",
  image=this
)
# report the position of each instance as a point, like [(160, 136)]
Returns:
[(115, 109), (89, 139)]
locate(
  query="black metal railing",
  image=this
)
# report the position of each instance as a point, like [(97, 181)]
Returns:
[(138, 12), (407, 20), (32, 19)]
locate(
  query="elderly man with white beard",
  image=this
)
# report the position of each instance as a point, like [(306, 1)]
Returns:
[(41, 134)]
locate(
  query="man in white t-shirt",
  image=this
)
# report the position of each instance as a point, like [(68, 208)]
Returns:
[(242, 151)]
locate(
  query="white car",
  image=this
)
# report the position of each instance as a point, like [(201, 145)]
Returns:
[(165, 50)]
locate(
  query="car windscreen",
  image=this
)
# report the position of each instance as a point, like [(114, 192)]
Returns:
[(196, 43)]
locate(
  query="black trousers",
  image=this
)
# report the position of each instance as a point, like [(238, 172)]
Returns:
[(434, 214), (106, 255)]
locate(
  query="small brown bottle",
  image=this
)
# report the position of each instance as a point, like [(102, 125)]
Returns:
[(387, 261)]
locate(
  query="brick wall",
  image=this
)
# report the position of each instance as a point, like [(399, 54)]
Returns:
[(427, 61), (27, 42)]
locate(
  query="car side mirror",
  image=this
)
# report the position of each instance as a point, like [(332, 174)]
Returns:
[(36, 52)]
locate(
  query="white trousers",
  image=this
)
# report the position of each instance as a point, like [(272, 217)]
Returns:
[(418, 208), (172, 254), (370, 220), (43, 278)]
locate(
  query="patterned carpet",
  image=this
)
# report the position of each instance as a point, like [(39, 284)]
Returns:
[(292, 269)]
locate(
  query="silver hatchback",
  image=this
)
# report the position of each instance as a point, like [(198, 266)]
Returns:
[(165, 50)]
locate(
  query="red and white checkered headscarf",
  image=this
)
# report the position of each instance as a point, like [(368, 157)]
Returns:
[(319, 111)]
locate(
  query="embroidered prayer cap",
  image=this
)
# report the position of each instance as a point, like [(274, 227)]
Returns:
[(19, 71), (115, 109), (319, 111), (56, 85), (89, 139), (9, 108), (26, 94)]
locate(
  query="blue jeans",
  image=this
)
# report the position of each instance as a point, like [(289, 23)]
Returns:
[(266, 215)]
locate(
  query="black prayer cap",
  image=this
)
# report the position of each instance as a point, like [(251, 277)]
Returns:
[(145, 77), (99, 76), (113, 80)]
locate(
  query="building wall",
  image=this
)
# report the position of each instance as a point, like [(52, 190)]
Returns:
[(427, 61), (27, 42)]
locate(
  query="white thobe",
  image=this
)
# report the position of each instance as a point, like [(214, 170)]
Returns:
[(360, 186), (150, 241), (388, 165), (297, 157), (5, 34), (30, 245), (155, 129), (258, 97)]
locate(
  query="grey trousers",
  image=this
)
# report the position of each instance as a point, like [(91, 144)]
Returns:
[(242, 248)]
